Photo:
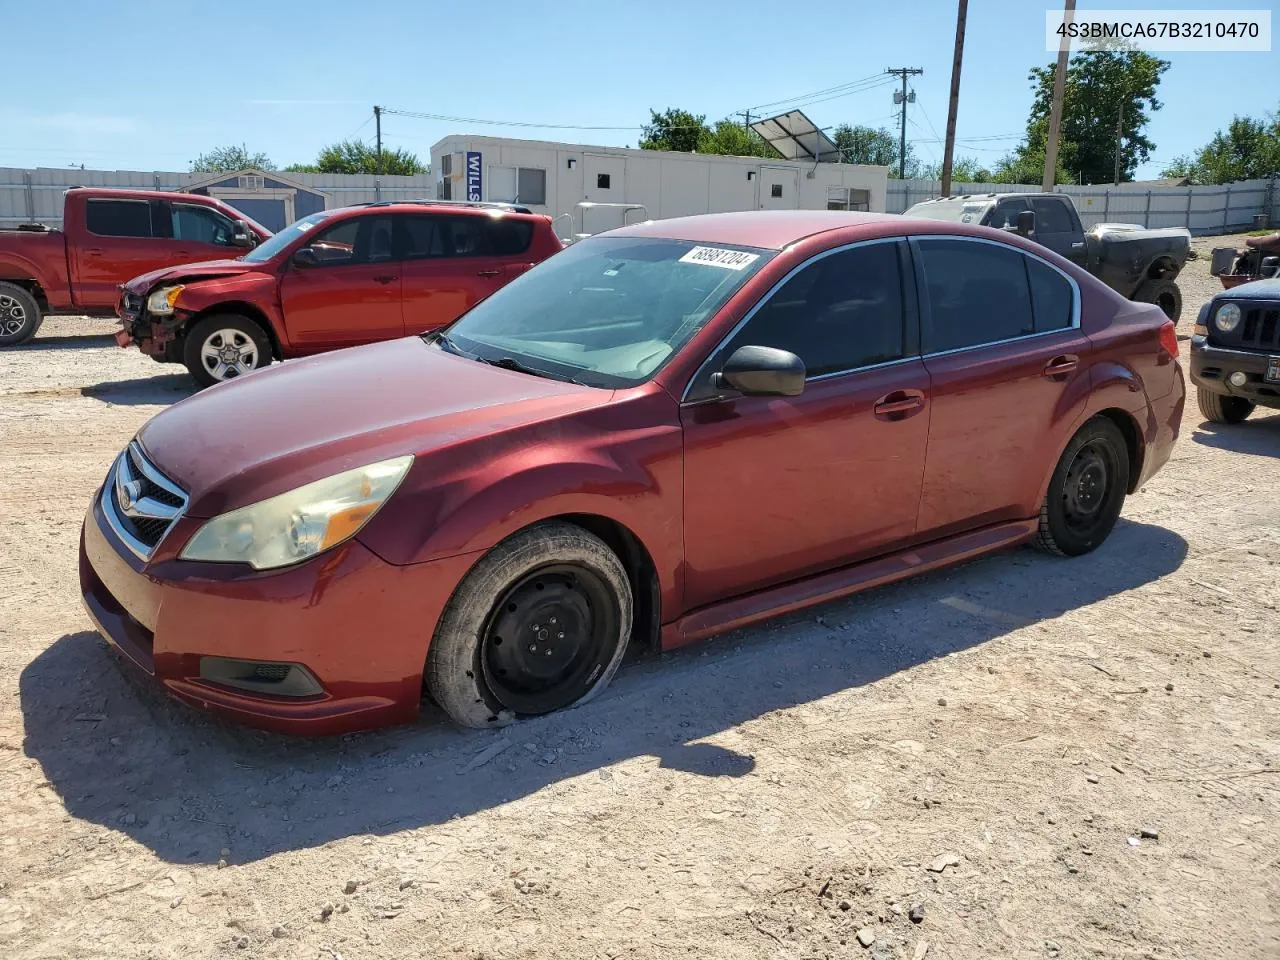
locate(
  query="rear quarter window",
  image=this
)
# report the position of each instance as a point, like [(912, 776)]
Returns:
[(1052, 299)]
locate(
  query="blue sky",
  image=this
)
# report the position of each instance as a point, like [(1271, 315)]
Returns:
[(148, 86)]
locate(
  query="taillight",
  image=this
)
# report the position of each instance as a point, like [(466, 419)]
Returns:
[(1169, 338)]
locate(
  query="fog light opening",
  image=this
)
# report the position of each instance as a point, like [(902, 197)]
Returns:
[(261, 676), (1238, 379)]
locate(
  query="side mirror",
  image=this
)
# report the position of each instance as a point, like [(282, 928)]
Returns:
[(305, 257), (1026, 223), (762, 372), (244, 236)]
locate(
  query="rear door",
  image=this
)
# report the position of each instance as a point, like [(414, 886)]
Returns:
[(450, 263), (1058, 227), (1004, 351), (122, 239), (351, 294), (833, 475)]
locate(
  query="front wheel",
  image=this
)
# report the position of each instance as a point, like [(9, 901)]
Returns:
[(540, 623), (19, 315), (223, 347), (1086, 491), (1216, 408)]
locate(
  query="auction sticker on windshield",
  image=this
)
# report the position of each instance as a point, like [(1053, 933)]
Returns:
[(720, 257)]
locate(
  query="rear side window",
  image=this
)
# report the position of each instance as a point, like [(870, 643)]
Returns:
[(1052, 299), (977, 293), (466, 237), (1052, 216), (118, 218), (508, 237), (839, 313), (422, 237)]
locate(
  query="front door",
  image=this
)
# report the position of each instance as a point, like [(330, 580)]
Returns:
[(1004, 352), (349, 293), (780, 487), (779, 188), (1058, 227)]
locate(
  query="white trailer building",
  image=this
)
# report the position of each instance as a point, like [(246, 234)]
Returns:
[(554, 178)]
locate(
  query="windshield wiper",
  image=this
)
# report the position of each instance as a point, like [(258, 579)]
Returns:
[(511, 363), (442, 338)]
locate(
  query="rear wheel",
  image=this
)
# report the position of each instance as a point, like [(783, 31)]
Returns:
[(1165, 294), (539, 624), (223, 347), (19, 315), (1086, 491), (1216, 408)]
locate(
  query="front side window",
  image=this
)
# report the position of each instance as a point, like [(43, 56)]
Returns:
[(279, 241), (201, 225), (1005, 214), (607, 311), (841, 312), (358, 240), (977, 293), (1051, 216), (118, 218)]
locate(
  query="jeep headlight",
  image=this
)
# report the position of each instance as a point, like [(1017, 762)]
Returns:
[(1227, 318), (301, 523), (161, 301)]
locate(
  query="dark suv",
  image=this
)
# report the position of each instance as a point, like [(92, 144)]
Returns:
[(1235, 352)]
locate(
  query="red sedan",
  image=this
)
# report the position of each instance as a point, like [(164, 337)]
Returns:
[(657, 435)]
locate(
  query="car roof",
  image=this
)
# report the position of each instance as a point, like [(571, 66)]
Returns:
[(109, 193), (768, 229), (443, 207)]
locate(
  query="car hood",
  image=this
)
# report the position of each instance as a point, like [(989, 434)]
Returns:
[(243, 441), (186, 272), (1268, 289)]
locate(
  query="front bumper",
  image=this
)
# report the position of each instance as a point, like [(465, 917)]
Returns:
[(154, 336), (1211, 366), (359, 625)]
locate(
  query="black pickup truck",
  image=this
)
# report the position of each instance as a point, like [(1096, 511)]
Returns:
[(1235, 352), (1137, 263)]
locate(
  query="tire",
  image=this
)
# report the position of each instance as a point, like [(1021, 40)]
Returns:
[(1086, 492), (1216, 408), (1165, 294), (20, 315), (229, 331), (482, 679)]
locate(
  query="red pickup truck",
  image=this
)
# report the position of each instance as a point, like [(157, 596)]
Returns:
[(335, 279), (108, 237)]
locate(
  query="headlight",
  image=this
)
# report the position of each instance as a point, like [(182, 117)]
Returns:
[(1227, 318), (301, 523), (161, 301)]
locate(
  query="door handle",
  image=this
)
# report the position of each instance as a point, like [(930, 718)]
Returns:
[(1059, 367), (899, 404), (94, 252), (1077, 245), (385, 279), (487, 273)]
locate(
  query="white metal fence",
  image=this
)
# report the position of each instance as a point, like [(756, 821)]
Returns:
[(1203, 210), (35, 196)]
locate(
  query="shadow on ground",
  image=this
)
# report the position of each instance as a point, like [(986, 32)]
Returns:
[(159, 390), (1259, 435), (84, 341), (122, 755)]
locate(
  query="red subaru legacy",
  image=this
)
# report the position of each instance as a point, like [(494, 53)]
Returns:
[(659, 434)]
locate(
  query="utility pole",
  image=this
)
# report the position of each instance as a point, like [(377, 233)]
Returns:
[(903, 99), (1119, 136), (1055, 111), (746, 123), (948, 151), (377, 122)]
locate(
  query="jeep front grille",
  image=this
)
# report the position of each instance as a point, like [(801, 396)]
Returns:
[(140, 503), (1261, 329)]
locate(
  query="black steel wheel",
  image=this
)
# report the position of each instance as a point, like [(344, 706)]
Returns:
[(543, 644), (540, 623), (1086, 492)]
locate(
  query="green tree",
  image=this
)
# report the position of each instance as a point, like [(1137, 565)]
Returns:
[(1105, 90), (354, 156), (963, 170), (674, 129), (225, 159), (1026, 165), (858, 144), (729, 138), (1248, 149)]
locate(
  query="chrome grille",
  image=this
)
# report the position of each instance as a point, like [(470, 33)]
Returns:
[(140, 503)]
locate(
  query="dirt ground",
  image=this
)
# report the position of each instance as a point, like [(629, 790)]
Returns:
[(1033, 757)]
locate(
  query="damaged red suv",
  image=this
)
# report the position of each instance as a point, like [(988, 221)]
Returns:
[(659, 434)]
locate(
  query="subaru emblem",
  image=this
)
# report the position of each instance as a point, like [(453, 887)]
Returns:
[(130, 493)]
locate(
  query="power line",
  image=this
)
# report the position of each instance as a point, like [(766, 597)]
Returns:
[(843, 89), (416, 115)]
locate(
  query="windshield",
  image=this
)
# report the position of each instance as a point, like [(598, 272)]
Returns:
[(956, 211), (270, 247), (608, 311)]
